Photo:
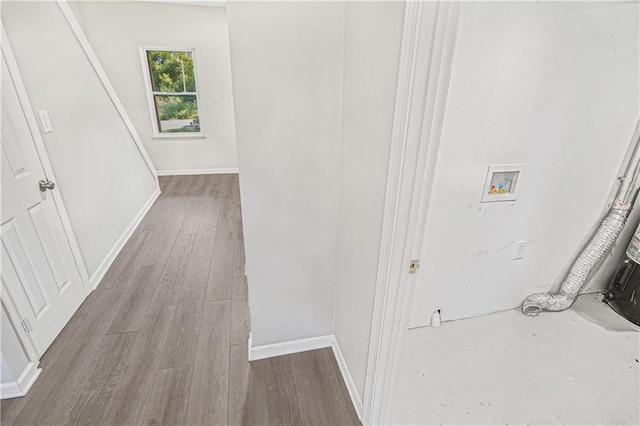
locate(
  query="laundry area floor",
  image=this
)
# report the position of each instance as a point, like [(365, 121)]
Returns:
[(575, 367)]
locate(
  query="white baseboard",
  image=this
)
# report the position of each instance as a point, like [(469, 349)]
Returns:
[(10, 390), (348, 380), (182, 172), (290, 347), (28, 376), (303, 345), (21, 386), (97, 276)]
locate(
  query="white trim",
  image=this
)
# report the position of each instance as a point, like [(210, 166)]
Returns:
[(150, 93), (16, 77), (290, 347), (182, 136), (348, 380), (21, 386), (113, 253), (104, 79), (29, 376), (212, 171), (168, 49), (214, 3), (428, 39), (10, 390)]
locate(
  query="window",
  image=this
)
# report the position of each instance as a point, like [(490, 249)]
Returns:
[(171, 88)]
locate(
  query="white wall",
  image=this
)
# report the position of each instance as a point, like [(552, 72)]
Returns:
[(102, 176), (552, 85), (286, 60), (373, 33), (116, 29)]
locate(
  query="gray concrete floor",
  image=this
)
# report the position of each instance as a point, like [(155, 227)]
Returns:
[(575, 367)]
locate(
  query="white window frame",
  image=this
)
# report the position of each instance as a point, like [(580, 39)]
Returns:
[(150, 93)]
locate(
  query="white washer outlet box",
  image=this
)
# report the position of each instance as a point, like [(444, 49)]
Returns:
[(502, 182)]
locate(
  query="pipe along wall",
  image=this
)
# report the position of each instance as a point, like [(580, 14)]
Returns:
[(598, 246)]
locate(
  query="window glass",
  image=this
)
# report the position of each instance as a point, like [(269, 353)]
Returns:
[(177, 113), (173, 87)]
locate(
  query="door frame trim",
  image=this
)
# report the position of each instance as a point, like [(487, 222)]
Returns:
[(426, 56), (27, 109)]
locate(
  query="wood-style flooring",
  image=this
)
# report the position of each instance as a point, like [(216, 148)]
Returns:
[(163, 339)]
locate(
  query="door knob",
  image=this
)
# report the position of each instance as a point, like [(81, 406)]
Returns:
[(46, 184)]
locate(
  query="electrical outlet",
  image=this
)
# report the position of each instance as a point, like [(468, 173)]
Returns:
[(45, 121), (519, 250)]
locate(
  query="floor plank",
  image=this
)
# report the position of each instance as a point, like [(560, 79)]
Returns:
[(209, 388), (196, 207), (238, 232), (221, 274), (182, 341), (283, 398), (131, 258), (170, 286), (239, 311), (90, 407), (205, 239), (239, 259), (174, 273), (169, 397), (181, 251), (58, 346), (247, 389), (197, 274), (320, 392), (137, 299), (164, 243), (335, 381), (128, 403)]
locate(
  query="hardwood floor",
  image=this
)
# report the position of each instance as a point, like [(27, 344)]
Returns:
[(163, 339)]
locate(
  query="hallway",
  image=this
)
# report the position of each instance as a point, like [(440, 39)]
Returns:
[(163, 339)]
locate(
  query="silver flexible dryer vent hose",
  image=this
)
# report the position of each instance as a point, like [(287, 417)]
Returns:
[(598, 246)]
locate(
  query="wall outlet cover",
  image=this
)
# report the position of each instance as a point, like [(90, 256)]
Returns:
[(45, 121), (519, 250)]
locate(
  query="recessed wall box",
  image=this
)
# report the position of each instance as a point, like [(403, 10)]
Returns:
[(502, 182)]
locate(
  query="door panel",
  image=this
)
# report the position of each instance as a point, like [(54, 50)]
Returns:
[(38, 268), (22, 266), (54, 261)]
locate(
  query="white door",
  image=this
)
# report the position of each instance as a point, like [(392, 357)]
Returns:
[(38, 270)]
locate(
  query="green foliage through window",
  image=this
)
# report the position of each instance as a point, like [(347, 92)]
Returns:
[(173, 85)]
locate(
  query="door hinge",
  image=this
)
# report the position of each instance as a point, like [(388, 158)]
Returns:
[(414, 266), (25, 326)]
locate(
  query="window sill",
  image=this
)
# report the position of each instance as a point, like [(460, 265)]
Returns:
[(180, 136)]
